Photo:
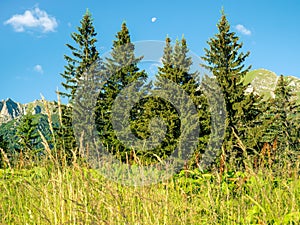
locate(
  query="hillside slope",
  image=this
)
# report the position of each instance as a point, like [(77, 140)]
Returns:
[(263, 82)]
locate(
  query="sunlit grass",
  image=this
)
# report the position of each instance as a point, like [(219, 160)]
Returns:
[(50, 195)]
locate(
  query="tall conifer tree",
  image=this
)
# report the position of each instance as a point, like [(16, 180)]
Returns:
[(175, 71), (27, 132), (176, 67), (224, 59), (84, 56), (122, 70), (282, 122)]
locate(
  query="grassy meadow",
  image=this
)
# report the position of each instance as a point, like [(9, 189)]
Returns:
[(51, 194)]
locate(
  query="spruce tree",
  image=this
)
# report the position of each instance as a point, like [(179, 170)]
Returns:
[(84, 56), (3, 142), (121, 69), (4, 147), (176, 67), (27, 132), (175, 71), (224, 59), (157, 107), (282, 122)]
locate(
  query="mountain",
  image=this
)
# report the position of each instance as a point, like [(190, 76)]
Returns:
[(10, 114), (263, 82), (10, 110)]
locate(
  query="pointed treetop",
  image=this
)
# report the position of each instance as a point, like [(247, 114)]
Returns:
[(168, 39), (223, 24), (223, 12), (84, 54), (183, 40), (123, 36), (177, 41), (124, 25), (88, 14)]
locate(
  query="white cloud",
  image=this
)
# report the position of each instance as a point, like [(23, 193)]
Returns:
[(242, 29), (38, 68), (35, 18), (153, 19)]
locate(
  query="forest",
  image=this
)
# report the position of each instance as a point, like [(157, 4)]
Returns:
[(182, 147)]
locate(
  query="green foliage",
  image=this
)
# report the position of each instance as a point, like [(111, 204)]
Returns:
[(8, 132), (84, 105), (3, 142), (226, 63), (282, 123), (65, 141), (175, 71), (176, 68), (121, 70), (4, 147), (149, 115), (82, 57), (27, 132)]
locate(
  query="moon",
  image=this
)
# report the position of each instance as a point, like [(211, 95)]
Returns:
[(153, 19)]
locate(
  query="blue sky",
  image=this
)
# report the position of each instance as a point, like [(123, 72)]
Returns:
[(33, 34)]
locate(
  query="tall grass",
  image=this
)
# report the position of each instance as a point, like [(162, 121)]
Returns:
[(74, 195)]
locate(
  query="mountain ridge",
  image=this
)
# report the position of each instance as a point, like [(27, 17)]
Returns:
[(263, 82), (10, 110)]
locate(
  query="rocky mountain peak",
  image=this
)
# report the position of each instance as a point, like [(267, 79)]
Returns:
[(10, 109)]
